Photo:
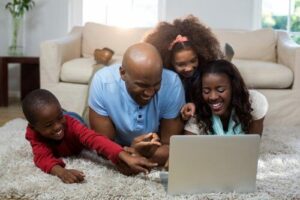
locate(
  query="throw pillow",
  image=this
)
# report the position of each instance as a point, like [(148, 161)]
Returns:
[(228, 51), (103, 56)]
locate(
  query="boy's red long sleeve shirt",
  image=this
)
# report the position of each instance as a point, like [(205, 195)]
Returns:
[(47, 152)]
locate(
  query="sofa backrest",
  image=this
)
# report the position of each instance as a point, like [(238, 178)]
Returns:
[(254, 45), (97, 36)]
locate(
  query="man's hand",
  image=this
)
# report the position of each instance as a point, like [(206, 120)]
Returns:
[(68, 175), (146, 144), (166, 166), (187, 111), (132, 164)]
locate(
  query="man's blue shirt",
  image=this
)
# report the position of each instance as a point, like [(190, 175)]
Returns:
[(109, 97)]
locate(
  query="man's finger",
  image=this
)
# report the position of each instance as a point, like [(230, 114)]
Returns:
[(166, 166), (157, 143), (148, 163), (155, 136), (148, 137), (147, 144)]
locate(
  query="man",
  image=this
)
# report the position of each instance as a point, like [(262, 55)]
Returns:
[(128, 103)]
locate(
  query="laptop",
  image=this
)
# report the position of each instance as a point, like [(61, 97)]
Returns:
[(210, 163)]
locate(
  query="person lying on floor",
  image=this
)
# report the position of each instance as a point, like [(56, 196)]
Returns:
[(149, 98), (225, 106), (53, 135)]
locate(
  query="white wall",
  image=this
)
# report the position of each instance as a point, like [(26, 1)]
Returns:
[(47, 20), (229, 14)]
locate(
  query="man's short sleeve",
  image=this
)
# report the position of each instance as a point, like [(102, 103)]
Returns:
[(97, 93), (173, 96)]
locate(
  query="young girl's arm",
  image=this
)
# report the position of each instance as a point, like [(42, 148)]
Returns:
[(187, 111), (260, 107), (256, 126)]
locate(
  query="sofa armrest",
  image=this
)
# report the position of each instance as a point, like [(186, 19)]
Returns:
[(53, 53), (289, 54)]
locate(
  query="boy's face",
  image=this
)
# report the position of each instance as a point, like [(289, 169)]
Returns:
[(50, 122)]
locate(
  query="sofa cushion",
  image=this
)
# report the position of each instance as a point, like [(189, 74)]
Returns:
[(118, 39), (266, 75), (256, 45), (78, 70)]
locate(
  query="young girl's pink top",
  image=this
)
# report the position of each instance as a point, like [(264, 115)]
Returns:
[(46, 152)]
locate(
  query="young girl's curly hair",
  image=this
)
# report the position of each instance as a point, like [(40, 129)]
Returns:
[(239, 96), (200, 39)]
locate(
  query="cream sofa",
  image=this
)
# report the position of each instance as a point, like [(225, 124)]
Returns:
[(67, 64), (268, 60)]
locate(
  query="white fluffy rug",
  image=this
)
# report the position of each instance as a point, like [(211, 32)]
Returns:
[(278, 172)]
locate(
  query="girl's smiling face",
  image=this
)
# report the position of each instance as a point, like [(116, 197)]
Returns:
[(216, 92), (185, 62)]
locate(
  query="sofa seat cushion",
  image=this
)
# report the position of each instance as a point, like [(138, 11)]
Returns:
[(78, 70), (266, 75)]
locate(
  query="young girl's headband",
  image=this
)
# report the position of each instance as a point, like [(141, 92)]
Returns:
[(179, 38)]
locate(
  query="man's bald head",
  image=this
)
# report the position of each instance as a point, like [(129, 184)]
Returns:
[(141, 56), (142, 71)]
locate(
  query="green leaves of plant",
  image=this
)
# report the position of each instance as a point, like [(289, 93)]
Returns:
[(18, 7)]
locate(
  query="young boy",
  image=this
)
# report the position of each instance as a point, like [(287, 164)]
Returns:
[(52, 135)]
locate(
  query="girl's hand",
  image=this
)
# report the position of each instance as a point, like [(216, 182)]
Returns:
[(187, 111), (68, 175), (134, 164)]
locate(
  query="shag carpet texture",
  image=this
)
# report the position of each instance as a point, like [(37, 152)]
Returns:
[(278, 174)]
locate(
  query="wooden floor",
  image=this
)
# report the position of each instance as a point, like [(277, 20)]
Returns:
[(13, 111)]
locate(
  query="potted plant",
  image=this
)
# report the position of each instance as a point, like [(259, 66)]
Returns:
[(17, 9)]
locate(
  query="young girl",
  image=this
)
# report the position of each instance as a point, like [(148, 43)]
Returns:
[(224, 105), (185, 45)]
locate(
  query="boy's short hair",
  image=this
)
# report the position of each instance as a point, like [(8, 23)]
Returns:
[(36, 100)]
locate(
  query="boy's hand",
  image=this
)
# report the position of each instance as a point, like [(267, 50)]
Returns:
[(131, 151), (134, 164), (187, 111), (146, 144), (68, 175)]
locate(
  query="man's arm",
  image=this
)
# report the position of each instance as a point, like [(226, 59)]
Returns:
[(168, 127), (102, 124)]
